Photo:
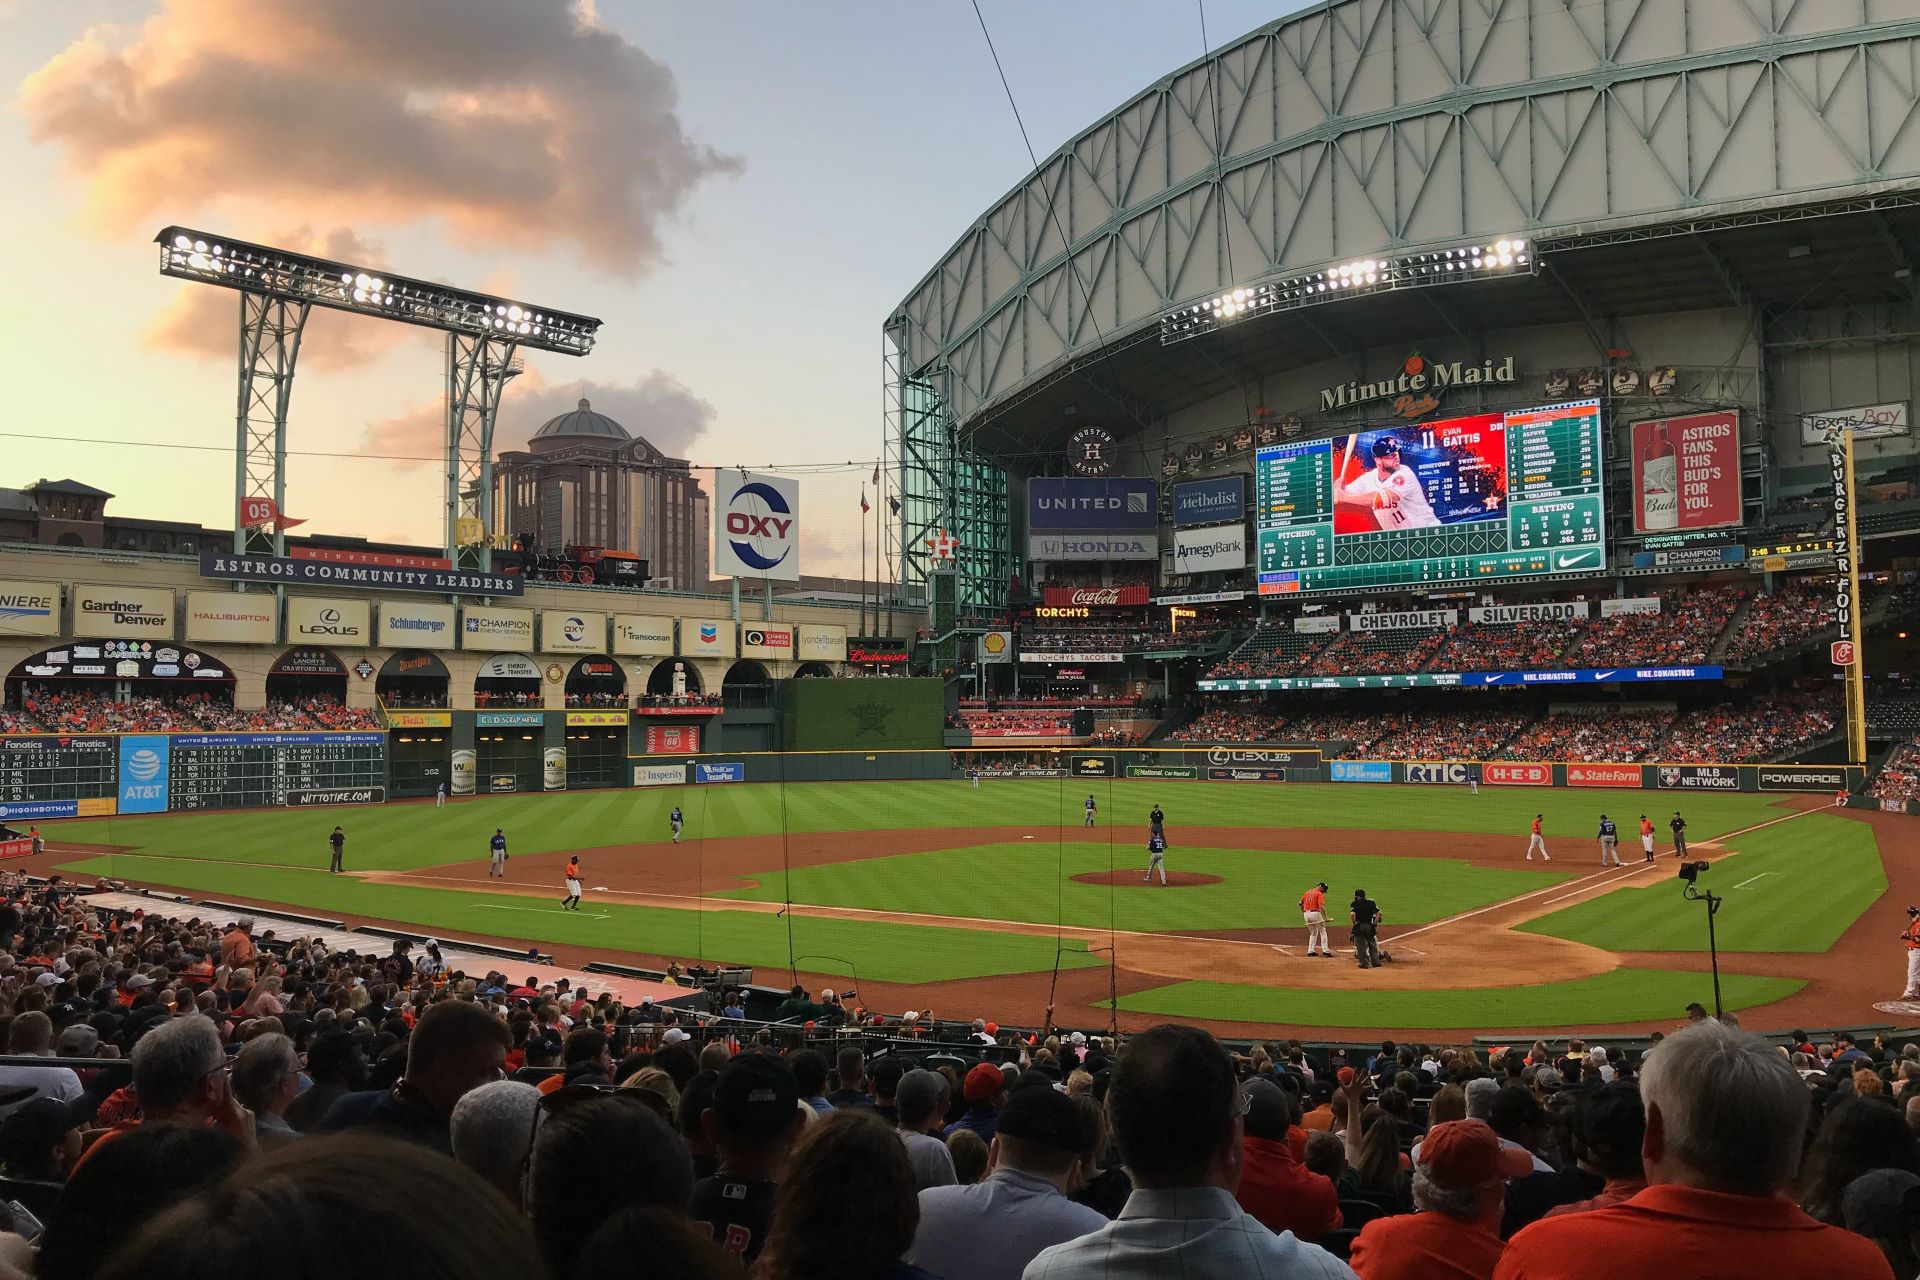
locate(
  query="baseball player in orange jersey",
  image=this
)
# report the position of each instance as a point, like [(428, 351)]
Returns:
[(1313, 909), (1912, 938), (572, 901), (1537, 841), (1646, 837)]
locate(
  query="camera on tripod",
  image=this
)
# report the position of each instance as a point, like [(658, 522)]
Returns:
[(1688, 870)]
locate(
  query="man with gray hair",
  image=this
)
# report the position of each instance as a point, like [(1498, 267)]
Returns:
[(1725, 1117), (266, 1078), (492, 1130), (1459, 1190), (921, 1102), (180, 1077)]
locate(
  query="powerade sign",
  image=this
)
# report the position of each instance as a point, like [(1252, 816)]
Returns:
[(1078, 504), (720, 772), (144, 759), (1213, 501), (1362, 771), (1801, 778)]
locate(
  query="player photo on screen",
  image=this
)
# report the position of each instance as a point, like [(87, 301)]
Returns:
[(1420, 476)]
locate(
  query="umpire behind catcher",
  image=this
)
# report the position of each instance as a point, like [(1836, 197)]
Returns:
[(1366, 929)]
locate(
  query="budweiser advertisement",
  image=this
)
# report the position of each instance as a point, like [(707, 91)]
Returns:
[(1603, 775), (1098, 597), (1686, 473), (1500, 774)]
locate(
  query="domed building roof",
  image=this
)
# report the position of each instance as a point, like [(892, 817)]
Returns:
[(582, 422)]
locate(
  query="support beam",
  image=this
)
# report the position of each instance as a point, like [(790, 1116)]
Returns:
[(1600, 328), (270, 330), (478, 370)]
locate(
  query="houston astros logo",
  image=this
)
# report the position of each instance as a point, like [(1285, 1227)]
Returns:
[(870, 716), (943, 545), (758, 521)]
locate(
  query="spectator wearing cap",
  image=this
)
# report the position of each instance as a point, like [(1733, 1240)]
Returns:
[(236, 946), (797, 1008), (31, 1036), (40, 1141), (455, 1048), (1609, 1124), (1459, 1187), (993, 1229), (985, 1089), (851, 1064), (492, 1132), (586, 1059), (1176, 1110), (80, 1040), (885, 1078), (1274, 1186), (753, 1124), (921, 1101), (266, 1080), (1725, 1117), (1884, 1206), (337, 1066)]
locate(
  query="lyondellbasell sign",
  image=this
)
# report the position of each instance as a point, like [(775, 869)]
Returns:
[(1415, 389)]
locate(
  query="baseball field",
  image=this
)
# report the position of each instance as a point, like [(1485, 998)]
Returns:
[(996, 900)]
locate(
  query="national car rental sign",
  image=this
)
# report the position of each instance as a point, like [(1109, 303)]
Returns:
[(756, 530)]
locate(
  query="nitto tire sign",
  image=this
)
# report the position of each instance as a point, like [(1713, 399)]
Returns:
[(1803, 779), (346, 795), (1442, 773), (1698, 777), (1519, 775)]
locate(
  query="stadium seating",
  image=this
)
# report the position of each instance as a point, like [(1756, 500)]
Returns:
[(1683, 632), (1754, 729), (1274, 649), (1899, 778), (1036, 724), (1590, 733), (1530, 646), (1376, 653), (1798, 613), (47, 711)]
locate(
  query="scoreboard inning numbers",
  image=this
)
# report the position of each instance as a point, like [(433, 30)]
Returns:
[(249, 770)]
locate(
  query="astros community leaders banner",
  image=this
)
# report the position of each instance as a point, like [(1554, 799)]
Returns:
[(322, 573), (756, 526)]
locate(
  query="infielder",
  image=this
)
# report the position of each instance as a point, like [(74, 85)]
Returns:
[(1090, 811), (676, 820), (1679, 828), (1609, 842), (1537, 841), (1313, 909), (1646, 837), (1912, 938), (497, 854), (572, 901), (1157, 857)]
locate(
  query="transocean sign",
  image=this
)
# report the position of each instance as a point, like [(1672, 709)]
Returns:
[(1415, 389)]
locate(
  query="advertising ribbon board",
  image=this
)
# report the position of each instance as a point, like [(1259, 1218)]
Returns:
[(1093, 767), (420, 719), (1603, 775), (1441, 772), (1698, 777), (659, 775), (1802, 778), (596, 719), (1502, 774), (1166, 771), (1246, 775), (372, 577), (1362, 771), (509, 720), (721, 772)]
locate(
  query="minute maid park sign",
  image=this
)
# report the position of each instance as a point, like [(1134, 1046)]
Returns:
[(1415, 389)]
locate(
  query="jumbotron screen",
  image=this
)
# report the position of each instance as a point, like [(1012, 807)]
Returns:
[(1471, 499)]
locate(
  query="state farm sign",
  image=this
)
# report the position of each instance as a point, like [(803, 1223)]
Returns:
[(1097, 597), (1603, 775), (1519, 775)]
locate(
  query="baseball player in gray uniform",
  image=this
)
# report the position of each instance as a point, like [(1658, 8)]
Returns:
[(1609, 842)]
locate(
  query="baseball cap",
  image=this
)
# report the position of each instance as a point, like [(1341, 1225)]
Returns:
[(1078, 1037), (80, 1040), (138, 982), (919, 1091), (1045, 1116), (983, 1082), (674, 1035), (1384, 445), (1882, 1202), (1466, 1153), (754, 1100)]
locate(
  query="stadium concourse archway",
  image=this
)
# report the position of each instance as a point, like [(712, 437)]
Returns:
[(306, 672), (597, 681), (412, 678), (71, 685), (671, 676), (507, 680), (814, 670)]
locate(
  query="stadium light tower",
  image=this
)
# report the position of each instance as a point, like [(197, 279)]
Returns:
[(279, 288)]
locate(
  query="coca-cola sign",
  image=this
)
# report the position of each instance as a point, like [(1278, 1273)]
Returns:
[(1098, 597)]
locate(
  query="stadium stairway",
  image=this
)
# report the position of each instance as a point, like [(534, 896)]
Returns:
[(1719, 649)]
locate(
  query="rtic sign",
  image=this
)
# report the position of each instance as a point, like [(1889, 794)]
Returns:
[(1097, 597), (1442, 773), (1519, 775)]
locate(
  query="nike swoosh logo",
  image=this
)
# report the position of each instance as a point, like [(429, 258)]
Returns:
[(1602, 675), (1572, 559)]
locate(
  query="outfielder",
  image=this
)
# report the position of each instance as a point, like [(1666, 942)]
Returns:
[(572, 901), (1912, 938), (497, 854), (1090, 810), (1646, 837), (975, 775), (1609, 842), (1313, 909), (1537, 841), (676, 820), (1157, 851), (440, 795)]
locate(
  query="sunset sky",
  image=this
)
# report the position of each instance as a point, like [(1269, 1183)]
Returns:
[(741, 191)]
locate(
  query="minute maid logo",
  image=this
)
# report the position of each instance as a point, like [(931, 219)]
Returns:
[(1415, 388)]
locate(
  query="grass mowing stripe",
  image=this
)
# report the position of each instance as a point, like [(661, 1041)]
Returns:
[(1807, 882), (868, 950), (1622, 995)]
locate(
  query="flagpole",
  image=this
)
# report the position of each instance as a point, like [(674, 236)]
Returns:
[(863, 559)]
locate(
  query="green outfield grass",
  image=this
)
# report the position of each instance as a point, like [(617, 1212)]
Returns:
[(1622, 995), (1793, 887), (1033, 881)]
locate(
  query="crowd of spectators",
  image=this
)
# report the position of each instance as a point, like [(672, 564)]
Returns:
[(1899, 778), (1526, 646), (1759, 728), (415, 699), (1376, 653), (602, 699), (1451, 737), (1039, 702), (1795, 614), (1272, 650), (1590, 733), (693, 699), (1036, 724), (509, 697), (49, 710), (246, 1105), (1682, 633)]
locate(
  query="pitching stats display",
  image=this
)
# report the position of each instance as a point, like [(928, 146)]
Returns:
[(1459, 500), (246, 770)]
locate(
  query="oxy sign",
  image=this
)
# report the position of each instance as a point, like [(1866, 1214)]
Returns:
[(756, 526)]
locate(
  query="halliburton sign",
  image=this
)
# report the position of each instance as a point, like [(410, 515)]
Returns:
[(1520, 775)]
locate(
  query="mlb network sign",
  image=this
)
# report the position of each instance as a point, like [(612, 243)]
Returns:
[(756, 530)]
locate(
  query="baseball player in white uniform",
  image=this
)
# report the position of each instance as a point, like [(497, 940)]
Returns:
[(1157, 858), (1912, 940), (1537, 841), (1394, 493)]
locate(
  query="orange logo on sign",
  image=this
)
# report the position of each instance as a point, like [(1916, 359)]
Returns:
[(1842, 653)]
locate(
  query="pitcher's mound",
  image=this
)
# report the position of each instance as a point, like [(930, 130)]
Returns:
[(1123, 878)]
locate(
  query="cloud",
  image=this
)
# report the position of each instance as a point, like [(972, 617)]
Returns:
[(522, 124), (658, 407), (203, 322)]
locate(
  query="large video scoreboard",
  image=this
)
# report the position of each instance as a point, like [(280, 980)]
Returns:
[(1459, 500), (249, 770)]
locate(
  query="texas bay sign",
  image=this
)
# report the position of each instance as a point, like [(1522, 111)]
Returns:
[(1415, 389)]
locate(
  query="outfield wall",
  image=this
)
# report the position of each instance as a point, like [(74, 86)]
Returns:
[(862, 715)]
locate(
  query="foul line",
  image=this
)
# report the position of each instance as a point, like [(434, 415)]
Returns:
[(1744, 883), (585, 915), (1634, 869), (1497, 906)]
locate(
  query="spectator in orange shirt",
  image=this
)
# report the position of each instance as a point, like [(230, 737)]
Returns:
[(1274, 1186), (236, 948), (1725, 1117), (1459, 1189)]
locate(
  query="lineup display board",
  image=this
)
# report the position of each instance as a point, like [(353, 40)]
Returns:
[(1458, 500), (57, 769), (251, 770)]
